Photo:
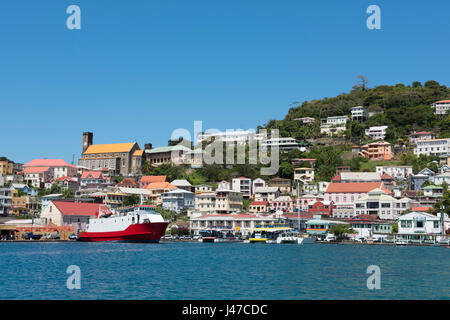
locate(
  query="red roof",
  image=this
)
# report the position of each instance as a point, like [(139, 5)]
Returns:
[(353, 187), (35, 169), (420, 133), (303, 215), (91, 174), (65, 178), (127, 182), (422, 209), (48, 163), (442, 101), (337, 177), (386, 176), (152, 179), (242, 178), (259, 203), (363, 217), (77, 208)]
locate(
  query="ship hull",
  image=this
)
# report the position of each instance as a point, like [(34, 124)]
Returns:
[(144, 232)]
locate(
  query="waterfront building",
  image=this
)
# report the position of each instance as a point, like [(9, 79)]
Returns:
[(146, 180), (419, 227), (344, 194), (377, 151), (241, 224), (441, 107), (305, 175), (119, 158), (182, 184), (379, 203), (258, 207), (281, 183), (419, 136), (368, 225), (398, 172), (242, 185), (205, 202), (178, 200), (359, 113), (433, 147), (75, 214), (283, 204), (377, 132), (266, 194), (319, 228)]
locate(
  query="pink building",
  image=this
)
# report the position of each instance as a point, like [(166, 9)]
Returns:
[(345, 194), (306, 199), (283, 203)]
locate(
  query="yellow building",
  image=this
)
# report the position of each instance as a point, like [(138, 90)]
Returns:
[(18, 203), (6, 167)]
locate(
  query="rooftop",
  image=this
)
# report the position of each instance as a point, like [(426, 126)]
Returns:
[(109, 148)]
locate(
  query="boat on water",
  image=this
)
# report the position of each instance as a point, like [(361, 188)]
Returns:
[(401, 243), (294, 237), (143, 224), (273, 234), (217, 235)]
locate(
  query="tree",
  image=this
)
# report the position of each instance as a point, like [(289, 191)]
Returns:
[(341, 230), (131, 201), (67, 194), (362, 82)]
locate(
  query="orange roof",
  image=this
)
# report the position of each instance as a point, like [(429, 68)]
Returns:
[(423, 209), (109, 148), (442, 101), (161, 185), (127, 181), (48, 163), (138, 153), (353, 187), (152, 179)]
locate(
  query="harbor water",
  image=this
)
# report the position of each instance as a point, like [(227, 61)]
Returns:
[(238, 271)]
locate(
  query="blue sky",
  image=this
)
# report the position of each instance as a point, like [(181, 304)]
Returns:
[(137, 70)]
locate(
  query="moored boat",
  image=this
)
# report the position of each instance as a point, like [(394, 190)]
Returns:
[(218, 235), (143, 224)]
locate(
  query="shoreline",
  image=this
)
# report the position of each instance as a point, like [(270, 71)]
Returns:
[(196, 241)]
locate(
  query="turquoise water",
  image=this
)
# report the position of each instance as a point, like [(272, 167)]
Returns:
[(221, 271)]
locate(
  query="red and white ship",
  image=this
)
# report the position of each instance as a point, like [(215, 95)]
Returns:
[(143, 224)]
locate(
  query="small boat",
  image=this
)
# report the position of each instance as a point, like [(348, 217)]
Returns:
[(294, 237), (268, 234), (401, 243), (143, 224), (218, 235)]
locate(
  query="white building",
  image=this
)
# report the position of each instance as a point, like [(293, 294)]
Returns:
[(258, 183), (399, 172), (228, 201), (419, 227), (441, 107), (225, 185), (239, 223), (266, 194), (242, 185), (378, 203), (441, 178), (205, 203), (359, 113), (377, 133), (433, 147), (333, 125), (238, 136), (283, 144), (306, 175)]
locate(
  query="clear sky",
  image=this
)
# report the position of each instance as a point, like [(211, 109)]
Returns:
[(137, 70)]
